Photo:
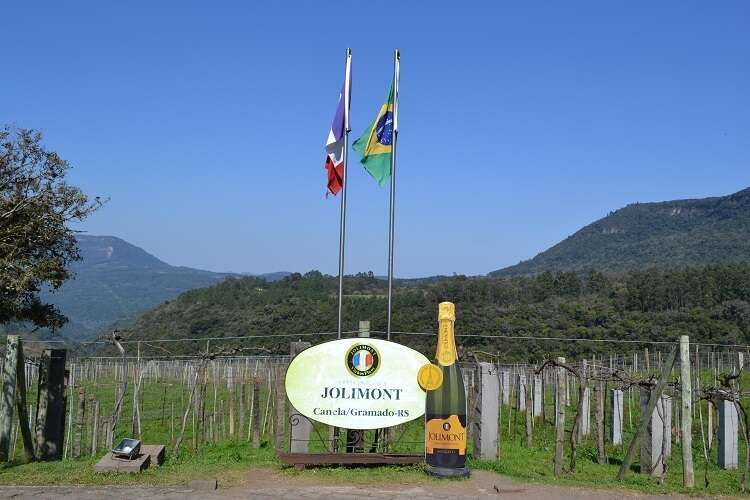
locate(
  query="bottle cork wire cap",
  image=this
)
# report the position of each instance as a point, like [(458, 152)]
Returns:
[(447, 310)]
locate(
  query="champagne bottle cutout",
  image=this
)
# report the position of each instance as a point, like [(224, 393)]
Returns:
[(445, 412)]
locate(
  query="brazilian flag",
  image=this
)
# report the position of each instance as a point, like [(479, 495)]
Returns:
[(375, 145)]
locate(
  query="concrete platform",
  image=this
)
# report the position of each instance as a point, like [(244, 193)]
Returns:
[(150, 454), (156, 451), (109, 463), (302, 459)]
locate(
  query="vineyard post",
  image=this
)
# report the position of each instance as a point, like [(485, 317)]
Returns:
[(686, 429), (301, 427), (505, 383), (255, 413), (575, 434), (617, 416), (600, 401), (51, 403), (727, 453), (280, 406), (24, 415), (9, 395), (538, 398), (522, 382), (559, 417), (171, 426), (529, 417), (89, 425), (585, 395), (232, 397), (646, 416), (710, 424), (544, 406), (241, 408), (499, 411), (95, 427)]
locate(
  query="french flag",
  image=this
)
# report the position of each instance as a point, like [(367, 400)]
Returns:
[(335, 141), (362, 360)]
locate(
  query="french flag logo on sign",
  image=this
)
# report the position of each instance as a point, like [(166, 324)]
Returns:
[(362, 360)]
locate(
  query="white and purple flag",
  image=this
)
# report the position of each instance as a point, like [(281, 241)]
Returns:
[(335, 141)]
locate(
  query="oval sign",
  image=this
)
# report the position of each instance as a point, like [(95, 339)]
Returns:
[(357, 383)]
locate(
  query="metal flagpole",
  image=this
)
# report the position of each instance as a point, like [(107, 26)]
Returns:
[(344, 183), (396, 68)]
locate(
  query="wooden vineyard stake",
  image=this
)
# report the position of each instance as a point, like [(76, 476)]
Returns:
[(94, 428), (7, 400), (529, 416), (79, 422), (601, 395), (559, 417), (51, 405), (686, 424), (241, 409), (280, 407), (255, 413), (23, 415)]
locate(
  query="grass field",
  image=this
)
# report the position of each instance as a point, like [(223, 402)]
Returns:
[(228, 461), (227, 457)]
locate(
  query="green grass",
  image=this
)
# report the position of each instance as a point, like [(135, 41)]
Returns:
[(536, 465), (223, 460), (228, 461)]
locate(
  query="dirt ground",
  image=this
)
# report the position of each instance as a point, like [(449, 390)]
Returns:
[(262, 484)]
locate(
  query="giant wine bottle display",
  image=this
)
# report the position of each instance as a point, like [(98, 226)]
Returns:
[(445, 415)]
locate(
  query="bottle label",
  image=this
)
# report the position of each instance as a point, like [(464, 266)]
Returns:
[(445, 434)]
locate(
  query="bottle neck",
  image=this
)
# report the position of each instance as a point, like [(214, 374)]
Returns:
[(446, 353)]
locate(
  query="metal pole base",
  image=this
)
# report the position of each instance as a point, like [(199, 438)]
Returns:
[(448, 471)]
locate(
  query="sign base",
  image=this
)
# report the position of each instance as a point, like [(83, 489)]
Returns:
[(448, 471), (302, 459)]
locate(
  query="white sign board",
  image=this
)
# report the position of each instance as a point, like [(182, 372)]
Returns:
[(357, 383)]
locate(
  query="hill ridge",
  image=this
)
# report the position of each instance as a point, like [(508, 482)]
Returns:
[(643, 234)]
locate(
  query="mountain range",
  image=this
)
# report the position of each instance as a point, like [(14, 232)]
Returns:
[(640, 235), (115, 281)]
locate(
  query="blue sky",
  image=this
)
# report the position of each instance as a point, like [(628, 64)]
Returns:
[(205, 122)]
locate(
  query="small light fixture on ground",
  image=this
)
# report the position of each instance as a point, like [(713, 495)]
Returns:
[(127, 449)]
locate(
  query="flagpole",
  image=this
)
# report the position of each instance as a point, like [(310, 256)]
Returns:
[(391, 221), (344, 183)]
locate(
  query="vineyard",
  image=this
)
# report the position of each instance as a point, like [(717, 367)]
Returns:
[(574, 420)]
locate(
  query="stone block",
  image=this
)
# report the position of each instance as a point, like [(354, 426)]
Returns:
[(521, 392), (538, 395), (617, 414), (505, 385), (666, 407), (586, 416), (728, 425), (652, 461), (487, 405)]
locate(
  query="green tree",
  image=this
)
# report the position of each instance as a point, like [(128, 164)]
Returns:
[(36, 243)]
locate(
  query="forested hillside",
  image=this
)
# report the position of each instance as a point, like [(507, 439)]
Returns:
[(666, 234), (708, 303)]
